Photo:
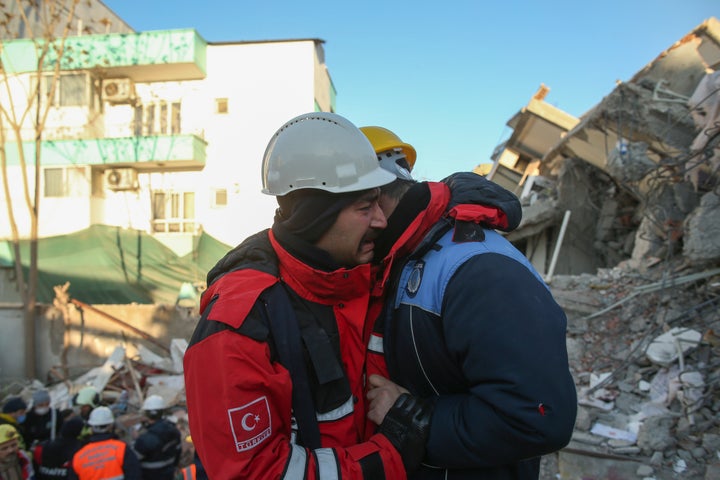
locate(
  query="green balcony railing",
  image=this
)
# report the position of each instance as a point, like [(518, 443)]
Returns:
[(128, 52), (167, 152)]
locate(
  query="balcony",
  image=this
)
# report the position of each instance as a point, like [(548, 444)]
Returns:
[(146, 153), (155, 56)]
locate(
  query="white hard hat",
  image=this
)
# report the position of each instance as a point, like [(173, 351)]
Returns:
[(101, 416), (153, 402), (321, 150)]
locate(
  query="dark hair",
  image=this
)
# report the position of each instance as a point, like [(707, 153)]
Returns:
[(397, 188)]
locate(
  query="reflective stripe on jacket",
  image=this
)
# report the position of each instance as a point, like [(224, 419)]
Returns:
[(189, 472)]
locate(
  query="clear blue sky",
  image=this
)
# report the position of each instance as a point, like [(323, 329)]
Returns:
[(447, 75)]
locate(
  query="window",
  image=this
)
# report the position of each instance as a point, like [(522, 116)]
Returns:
[(149, 122), (175, 118), (174, 212), (71, 90), (64, 182), (219, 198), (54, 182), (138, 119), (163, 118), (221, 105), (157, 119)]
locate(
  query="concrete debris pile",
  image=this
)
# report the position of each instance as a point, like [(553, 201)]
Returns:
[(123, 383), (644, 348)]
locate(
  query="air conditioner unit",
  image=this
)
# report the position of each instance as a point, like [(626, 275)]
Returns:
[(118, 90), (121, 179)]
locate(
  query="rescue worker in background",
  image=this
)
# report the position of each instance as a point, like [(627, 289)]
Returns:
[(469, 324), (299, 290), (159, 446), (84, 402), (14, 462), (193, 471), (14, 413), (52, 458), (104, 456), (42, 422)]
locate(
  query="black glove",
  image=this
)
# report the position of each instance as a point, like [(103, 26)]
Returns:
[(407, 425)]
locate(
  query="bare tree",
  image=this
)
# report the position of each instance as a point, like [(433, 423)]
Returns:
[(23, 104)]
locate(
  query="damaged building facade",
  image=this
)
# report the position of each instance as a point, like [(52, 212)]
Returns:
[(627, 174)]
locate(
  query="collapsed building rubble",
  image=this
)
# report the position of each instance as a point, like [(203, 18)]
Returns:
[(124, 383), (630, 195), (644, 348), (645, 353)]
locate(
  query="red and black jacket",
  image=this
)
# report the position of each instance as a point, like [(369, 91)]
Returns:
[(239, 394)]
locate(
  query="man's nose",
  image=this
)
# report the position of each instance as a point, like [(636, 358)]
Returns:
[(378, 219)]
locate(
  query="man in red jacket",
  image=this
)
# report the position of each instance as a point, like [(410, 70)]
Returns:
[(275, 370)]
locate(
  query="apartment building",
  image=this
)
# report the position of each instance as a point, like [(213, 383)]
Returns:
[(158, 131)]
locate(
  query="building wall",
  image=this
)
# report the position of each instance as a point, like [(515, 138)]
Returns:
[(96, 18), (266, 85), (12, 344), (87, 339), (262, 84)]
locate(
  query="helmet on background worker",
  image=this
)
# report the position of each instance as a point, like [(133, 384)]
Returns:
[(88, 396), (154, 407), (8, 433), (394, 155), (101, 419), (85, 400)]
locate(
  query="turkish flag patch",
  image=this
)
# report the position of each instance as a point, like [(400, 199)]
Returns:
[(250, 424)]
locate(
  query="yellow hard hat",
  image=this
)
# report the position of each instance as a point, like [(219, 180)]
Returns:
[(7, 433), (383, 139)]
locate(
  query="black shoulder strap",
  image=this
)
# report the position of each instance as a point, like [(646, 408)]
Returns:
[(286, 335)]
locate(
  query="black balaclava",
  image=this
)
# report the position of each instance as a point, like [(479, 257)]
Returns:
[(304, 216), (414, 201)]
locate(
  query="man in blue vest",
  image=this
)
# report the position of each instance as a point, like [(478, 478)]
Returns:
[(468, 324)]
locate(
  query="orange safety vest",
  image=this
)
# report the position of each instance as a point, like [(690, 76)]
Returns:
[(100, 460), (189, 472)]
